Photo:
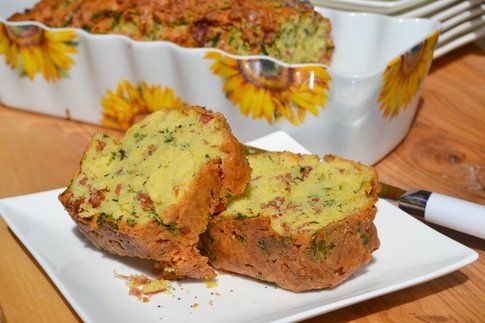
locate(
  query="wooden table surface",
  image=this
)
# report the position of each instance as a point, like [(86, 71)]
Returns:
[(444, 152)]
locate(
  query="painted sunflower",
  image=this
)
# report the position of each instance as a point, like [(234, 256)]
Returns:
[(264, 89), (131, 103), (30, 50), (404, 75)]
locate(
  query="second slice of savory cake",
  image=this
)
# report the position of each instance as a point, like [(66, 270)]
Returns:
[(150, 194), (301, 223)]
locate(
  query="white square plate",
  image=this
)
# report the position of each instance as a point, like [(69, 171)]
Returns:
[(410, 253)]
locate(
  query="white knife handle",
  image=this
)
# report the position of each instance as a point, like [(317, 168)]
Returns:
[(456, 214)]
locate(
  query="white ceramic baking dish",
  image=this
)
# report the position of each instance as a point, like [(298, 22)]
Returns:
[(360, 107)]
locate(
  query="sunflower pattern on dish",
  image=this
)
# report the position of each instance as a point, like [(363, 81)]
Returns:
[(265, 89), (403, 77), (31, 50), (129, 103)]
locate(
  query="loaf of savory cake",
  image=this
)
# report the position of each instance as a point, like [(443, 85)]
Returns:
[(151, 194), (302, 223), (289, 30)]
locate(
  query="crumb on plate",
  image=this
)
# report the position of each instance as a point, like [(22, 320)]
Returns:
[(142, 286)]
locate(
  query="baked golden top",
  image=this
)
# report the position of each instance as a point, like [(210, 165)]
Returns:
[(289, 30), (136, 180), (300, 193)]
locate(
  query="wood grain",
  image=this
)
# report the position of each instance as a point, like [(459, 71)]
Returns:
[(444, 152), (2, 317)]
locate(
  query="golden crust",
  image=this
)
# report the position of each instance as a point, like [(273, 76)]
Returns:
[(188, 23), (251, 247), (175, 250)]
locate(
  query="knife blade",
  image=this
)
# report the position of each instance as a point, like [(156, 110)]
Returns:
[(447, 211)]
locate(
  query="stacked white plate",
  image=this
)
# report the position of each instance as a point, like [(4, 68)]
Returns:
[(463, 21)]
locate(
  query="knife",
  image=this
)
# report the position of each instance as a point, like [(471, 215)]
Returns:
[(447, 211)]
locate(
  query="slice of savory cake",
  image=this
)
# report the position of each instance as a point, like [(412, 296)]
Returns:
[(151, 194), (301, 223)]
